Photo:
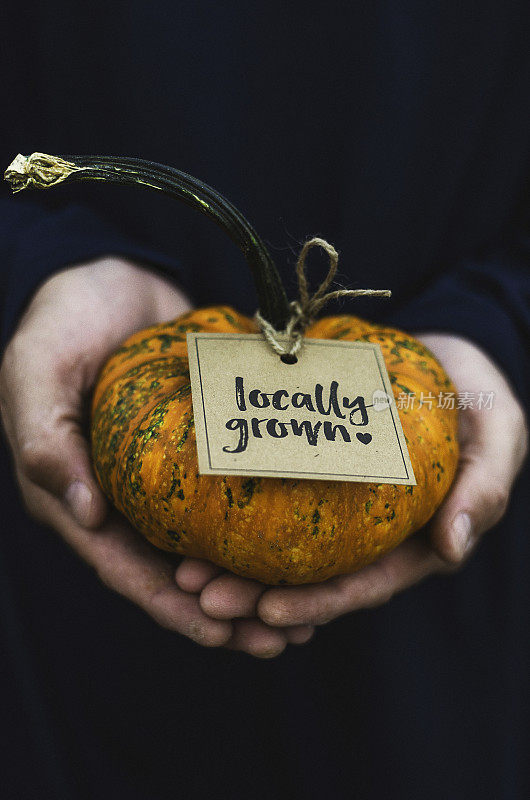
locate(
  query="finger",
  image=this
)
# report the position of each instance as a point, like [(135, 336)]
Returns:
[(374, 585), (230, 596), (127, 564), (255, 638), (42, 411), (193, 574), (299, 634), (489, 461)]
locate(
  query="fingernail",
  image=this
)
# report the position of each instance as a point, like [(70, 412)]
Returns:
[(462, 534), (78, 498)]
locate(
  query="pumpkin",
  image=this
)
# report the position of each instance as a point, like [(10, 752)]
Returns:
[(278, 531)]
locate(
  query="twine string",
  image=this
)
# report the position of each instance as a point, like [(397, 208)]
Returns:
[(305, 309)]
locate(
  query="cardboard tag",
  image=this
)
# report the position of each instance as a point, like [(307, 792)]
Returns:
[(330, 416)]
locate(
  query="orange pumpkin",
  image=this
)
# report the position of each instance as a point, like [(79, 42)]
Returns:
[(276, 530), (143, 438)]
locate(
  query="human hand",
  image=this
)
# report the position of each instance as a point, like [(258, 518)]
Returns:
[(493, 446), (73, 323)]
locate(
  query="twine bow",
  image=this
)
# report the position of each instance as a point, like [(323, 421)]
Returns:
[(305, 309)]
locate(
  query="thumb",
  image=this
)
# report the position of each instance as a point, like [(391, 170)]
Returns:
[(489, 462), (58, 460), (42, 411)]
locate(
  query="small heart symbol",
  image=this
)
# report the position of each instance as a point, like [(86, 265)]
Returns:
[(365, 438)]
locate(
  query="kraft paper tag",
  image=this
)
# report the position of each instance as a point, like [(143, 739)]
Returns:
[(330, 416)]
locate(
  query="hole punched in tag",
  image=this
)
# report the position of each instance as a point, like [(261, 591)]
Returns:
[(289, 358)]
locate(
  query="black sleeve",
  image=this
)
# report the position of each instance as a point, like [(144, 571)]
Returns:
[(485, 300), (36, 242)]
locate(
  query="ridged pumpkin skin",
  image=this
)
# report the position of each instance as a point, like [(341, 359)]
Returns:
[(274, 530)]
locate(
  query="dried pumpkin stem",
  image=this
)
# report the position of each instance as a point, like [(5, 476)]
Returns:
[(42, 171)]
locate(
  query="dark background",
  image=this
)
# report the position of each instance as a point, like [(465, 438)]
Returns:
[(401, 133)]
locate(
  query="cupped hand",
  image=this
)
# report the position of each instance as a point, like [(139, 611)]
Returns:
[(73, 323), (494, 443)]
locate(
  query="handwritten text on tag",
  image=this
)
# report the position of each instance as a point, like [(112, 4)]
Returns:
[(329, 416)]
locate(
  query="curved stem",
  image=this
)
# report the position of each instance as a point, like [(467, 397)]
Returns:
[(43, 171)]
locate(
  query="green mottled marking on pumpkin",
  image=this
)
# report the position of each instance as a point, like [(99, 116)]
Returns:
[(340, 334), (448, 438), (187, 427), (189, 327), (131, 350), (175, 536), (368, 505), (378, 520), (248, 488), (404, 388), (180, 494), (409, 489), (316, 516), (391, 516), (232, 320), (130, 482), (424, 367), (166, 339), (332, 531), (120, 404), (229, 496), (395, 352), (314, 532), (175, 481), (416, 347), (211, 319)]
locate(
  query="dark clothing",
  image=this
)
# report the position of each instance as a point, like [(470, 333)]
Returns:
[(401, 133)]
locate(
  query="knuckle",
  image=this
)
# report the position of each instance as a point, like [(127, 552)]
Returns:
[(379, 597), (379, 590)]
